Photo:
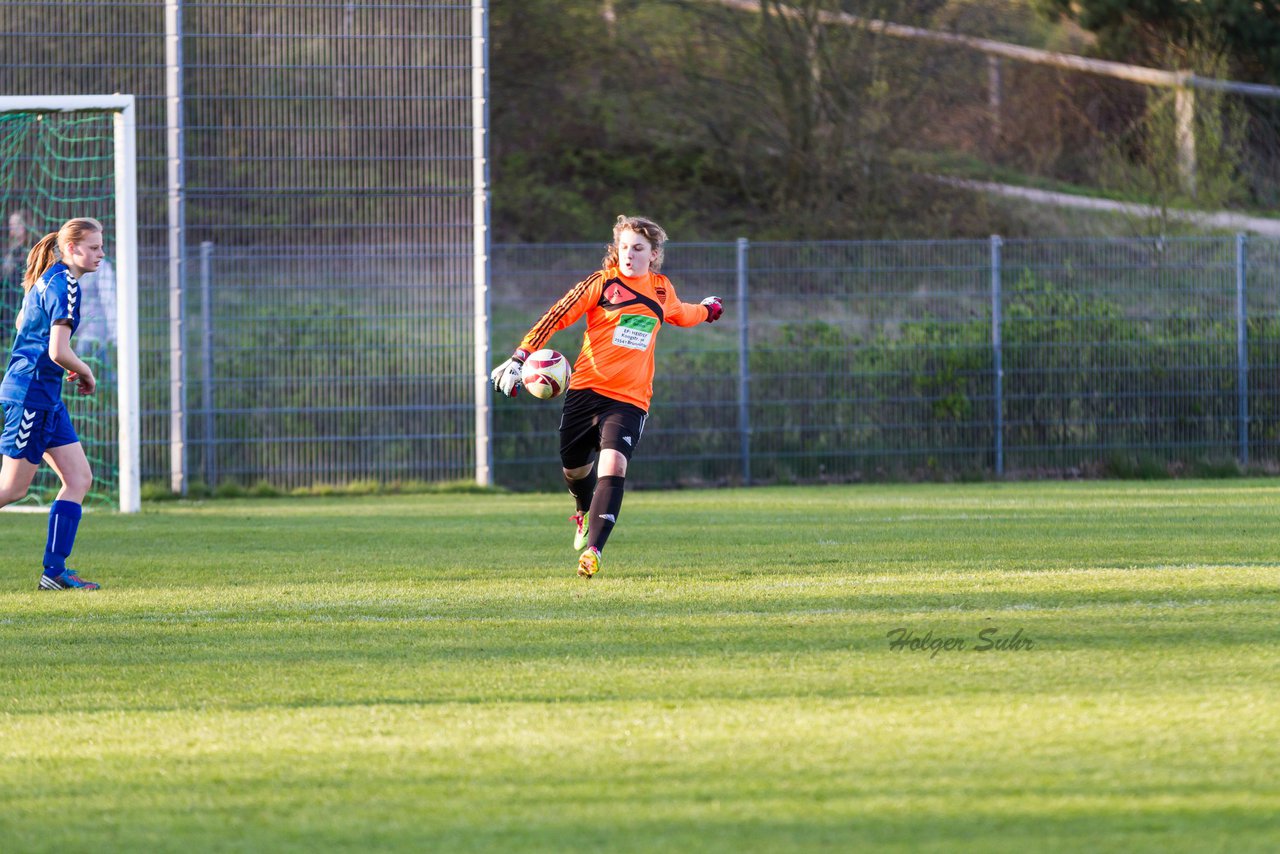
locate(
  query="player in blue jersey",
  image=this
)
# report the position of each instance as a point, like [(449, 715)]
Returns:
[(36, 423)]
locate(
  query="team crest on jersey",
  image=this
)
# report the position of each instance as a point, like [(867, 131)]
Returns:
[(662, 294)]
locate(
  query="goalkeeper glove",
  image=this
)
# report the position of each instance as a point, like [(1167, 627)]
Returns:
[(715, 308), (506, 377)]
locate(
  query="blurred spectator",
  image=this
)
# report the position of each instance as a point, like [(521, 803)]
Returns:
[(22, 236)]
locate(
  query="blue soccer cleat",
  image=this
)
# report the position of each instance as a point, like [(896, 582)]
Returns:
[(65, 580)]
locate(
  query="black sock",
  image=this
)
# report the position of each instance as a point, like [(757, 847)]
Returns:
[(604, 510), (582, 489)]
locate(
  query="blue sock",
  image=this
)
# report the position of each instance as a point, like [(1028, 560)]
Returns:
[(64, 519)]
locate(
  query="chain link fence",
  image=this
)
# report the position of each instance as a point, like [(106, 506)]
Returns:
[(328, 172), (933, 359), (325, 311)]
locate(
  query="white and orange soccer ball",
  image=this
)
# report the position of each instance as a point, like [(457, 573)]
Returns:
[(545, 374)]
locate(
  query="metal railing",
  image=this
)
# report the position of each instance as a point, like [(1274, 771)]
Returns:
[(866, 360)]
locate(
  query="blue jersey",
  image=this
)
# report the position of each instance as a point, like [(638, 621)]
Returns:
[(32, 378)]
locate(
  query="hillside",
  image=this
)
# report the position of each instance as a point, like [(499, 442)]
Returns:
[(722, 124)]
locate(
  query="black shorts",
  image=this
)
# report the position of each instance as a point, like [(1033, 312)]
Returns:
[(592, 422)]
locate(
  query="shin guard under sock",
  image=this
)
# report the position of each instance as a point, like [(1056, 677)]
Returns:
[(582, 490), (604, 510), (64, 520)]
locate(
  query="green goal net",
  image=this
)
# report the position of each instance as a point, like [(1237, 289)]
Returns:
[(59, 161)]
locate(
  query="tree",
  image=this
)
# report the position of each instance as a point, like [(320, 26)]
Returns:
[(1146, 160), (1140, 31), (810, 114)]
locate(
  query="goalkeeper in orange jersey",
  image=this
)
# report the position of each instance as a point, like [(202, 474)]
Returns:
[(626, 304)]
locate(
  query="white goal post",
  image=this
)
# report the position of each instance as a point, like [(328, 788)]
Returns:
[(125, 254)]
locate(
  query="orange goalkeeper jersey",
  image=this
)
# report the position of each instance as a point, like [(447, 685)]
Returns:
[(623, 318)]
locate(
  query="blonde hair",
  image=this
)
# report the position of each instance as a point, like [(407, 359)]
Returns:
[(45, 253), (647, 228)]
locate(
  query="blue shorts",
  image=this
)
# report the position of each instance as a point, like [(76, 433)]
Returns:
[(28, 433)]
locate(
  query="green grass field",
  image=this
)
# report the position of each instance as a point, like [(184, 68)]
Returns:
[(426, 673)]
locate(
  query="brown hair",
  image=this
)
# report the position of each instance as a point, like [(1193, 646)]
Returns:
[(28, 226), (42, 256), (651, 232)]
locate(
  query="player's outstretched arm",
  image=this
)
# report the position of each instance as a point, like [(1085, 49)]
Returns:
[(563, 314), (680, 313), (693, 313), (506, 377)]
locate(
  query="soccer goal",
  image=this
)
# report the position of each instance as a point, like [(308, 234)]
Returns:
[(63, 157)]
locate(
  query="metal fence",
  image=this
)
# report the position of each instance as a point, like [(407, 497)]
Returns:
[(852, 361), (327, 150), (367, 374), (310, 316)]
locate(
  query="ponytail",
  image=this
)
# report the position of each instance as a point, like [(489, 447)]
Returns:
[(41, 257), (45, 253)]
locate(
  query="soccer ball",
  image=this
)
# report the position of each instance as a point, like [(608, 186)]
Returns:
[(545, 374)]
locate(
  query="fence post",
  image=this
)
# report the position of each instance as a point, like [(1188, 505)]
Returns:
[(206, 361), (177, 245), (998, 365), (995, 97), (481, 236), (1184, 101), (1242, 350), (744, 365)]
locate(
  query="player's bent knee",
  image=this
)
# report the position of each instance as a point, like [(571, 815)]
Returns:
[(77, 486), (612, 463), (8, 496)]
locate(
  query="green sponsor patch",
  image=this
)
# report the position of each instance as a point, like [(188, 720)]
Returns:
[(638, 322)]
